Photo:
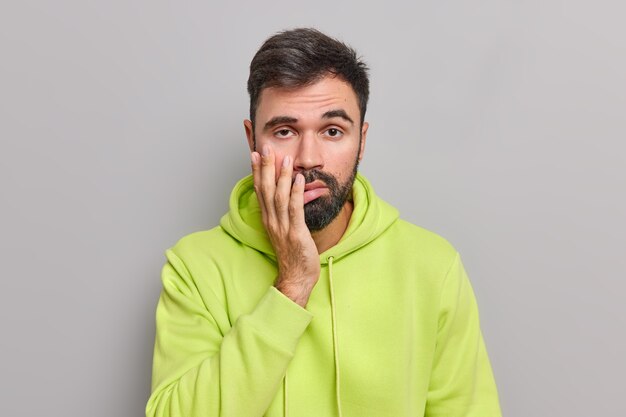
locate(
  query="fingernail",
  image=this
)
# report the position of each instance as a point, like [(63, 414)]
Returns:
[(299, 179), (286, 161), (253, 157), (266, 150)]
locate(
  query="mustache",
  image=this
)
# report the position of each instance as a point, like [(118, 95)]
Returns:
[(315, 174)]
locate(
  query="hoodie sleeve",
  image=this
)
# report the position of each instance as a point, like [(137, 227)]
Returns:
[(200, 372), (461, 382)]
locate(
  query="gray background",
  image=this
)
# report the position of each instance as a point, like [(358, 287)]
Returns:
[(499, 125)]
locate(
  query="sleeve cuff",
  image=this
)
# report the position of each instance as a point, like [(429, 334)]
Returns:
[(281, 318)]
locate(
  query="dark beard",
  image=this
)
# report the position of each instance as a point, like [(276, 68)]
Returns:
[(320, 212)]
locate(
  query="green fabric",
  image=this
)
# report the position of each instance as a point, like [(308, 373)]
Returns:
[(407, 332)]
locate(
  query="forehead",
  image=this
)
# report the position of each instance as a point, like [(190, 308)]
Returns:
[(330, 93)]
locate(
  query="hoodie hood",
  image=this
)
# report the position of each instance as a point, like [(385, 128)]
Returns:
[(370, 217)]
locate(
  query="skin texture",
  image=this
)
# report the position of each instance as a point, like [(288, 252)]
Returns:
[(301, 131)]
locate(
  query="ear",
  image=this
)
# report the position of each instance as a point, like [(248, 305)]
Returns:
[(247, 124), (363, 139)]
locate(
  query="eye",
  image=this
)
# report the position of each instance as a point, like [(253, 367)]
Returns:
[(283, 133), (333, 132)]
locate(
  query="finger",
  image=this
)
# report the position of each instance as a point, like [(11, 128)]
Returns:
[(283, 193), (296, 202), (256, 174), (268, 183)]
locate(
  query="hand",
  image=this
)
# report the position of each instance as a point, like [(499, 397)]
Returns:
[(282, 208)]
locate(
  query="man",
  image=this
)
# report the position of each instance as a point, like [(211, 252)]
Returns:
[(312, 298)]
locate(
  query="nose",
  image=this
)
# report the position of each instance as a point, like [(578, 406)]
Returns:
[(308, 155)]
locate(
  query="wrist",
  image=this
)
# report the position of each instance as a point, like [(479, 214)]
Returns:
[(298, 292)]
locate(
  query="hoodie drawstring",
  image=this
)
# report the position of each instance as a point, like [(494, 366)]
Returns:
[(285, 408), (334, 327), (335, 349)]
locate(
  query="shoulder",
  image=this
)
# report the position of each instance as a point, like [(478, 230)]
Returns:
[(202, 243), (422, 237), (202, 248), (196, 257), (422, 245)]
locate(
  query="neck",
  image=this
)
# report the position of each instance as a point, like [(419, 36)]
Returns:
[(329, 236)]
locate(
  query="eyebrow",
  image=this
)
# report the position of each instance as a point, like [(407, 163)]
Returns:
[(337, 113), (277, 120)]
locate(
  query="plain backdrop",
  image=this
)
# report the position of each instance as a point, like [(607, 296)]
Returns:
[(499, 125)]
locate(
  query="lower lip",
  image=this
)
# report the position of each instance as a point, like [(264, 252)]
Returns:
[(311, 195)]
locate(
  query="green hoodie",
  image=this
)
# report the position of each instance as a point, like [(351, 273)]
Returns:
[(390, 329)]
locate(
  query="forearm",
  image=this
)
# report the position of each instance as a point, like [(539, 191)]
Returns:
[(249, 363)]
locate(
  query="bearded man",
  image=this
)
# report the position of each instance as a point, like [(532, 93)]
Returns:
[(312, 297)]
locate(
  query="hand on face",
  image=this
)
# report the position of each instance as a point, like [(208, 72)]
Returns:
[(282, 208)]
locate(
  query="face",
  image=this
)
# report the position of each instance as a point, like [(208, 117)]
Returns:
[(318, 126)]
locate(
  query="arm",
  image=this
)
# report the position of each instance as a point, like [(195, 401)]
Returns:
[(461, 382), (200, 372)]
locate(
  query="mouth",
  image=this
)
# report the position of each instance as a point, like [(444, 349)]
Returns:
[(313, 190), (313, 185)]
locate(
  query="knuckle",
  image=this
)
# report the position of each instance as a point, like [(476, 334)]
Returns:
[(265, 188), (278, 197), (294, 238), (279, 201)]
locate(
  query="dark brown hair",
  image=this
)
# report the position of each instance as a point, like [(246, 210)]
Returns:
[(300, 57)]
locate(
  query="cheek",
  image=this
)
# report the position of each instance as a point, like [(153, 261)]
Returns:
[(278, 161), (348, 160)]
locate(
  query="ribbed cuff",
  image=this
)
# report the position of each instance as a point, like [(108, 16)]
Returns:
[(281, 318)]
